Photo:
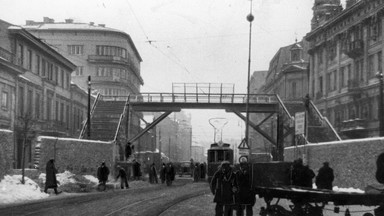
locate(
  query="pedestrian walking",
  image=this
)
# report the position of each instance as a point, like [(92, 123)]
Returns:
[(192, 167), (136, 170), (169, 174), (224, 186), (153, 174), (123, 177), (196, 172), (102, 175), (246, 197), (202, 170), (325, 177), (50, 177), (162, 173)]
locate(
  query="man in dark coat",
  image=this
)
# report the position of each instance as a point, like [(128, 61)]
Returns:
[(325, 177), (202, 170), (301, 175), (123, 177), (169, 174), (50, 177), (162, 173), (246, 197), (223, 187), (153, 174), (196, 173), (136, 170), (102, 175)]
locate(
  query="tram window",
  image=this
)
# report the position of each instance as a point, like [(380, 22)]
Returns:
[(220, 156), (227, 155), (211, 156)]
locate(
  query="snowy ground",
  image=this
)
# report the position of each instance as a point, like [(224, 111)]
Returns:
[(12, 191)]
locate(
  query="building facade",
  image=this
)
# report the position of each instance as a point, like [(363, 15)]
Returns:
[(346, 54), (37, 97), (108, 55)]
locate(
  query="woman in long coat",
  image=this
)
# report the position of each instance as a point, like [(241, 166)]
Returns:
[(169, 174), (245, 197), (50, 177), (162, 173), (223, 187)]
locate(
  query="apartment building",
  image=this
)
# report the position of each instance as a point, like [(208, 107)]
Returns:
[(346, 53), (108, 55)]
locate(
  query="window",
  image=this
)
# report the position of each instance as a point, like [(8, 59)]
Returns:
[(379, 61), (111, 51), (75, 49), (67, 116), (293, 89), (79, 71), (4, 100), (342, 77), (29, 66), (37, 69), (20, 55), (50, 71), (335, 80), (321, 84), (62, 78), (328, 82), (29, 102), (44, 68), (56, 75), (62, 112), (37, 106), (371, 66), (57, 111), (320, 56), (67, 80), (49, 108), (21, 101)]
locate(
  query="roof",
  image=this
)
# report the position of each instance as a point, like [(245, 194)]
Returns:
[(79, 27)]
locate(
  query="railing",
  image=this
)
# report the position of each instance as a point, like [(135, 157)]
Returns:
[(108, 58), (325, 119), (7, 55), (201, 98), (92, 110), (121, 118)]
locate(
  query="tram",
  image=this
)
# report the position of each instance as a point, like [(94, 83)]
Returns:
[(217, 153)]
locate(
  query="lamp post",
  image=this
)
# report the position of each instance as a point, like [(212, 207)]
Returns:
[(250, 18), (379, 75), (89, 108)]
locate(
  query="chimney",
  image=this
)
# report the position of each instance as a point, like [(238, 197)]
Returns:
[(29, 22), (48, 20), (102, 25), (68, 20)]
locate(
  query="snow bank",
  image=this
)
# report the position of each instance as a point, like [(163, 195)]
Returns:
[(11, 190), (92, 178), (62, 178)]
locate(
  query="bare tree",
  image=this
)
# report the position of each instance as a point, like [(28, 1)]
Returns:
[(26, 124)]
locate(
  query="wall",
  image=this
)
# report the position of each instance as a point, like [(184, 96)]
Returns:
[(75, 155), (353, 161), (6, 151)]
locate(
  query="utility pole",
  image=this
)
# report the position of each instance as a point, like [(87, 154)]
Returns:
[(379, 75), (89, 108)]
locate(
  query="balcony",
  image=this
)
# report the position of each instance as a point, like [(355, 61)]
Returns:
[(354, 128), (354, 88), (354, 49), (108, 59)]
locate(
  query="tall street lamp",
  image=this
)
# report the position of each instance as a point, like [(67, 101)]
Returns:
[(379, 75), (250, 18)]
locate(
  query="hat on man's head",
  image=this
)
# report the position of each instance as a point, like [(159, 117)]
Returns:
[(225, 163)]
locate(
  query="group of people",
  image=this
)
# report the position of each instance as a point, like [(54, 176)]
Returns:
[(198, 170), (232, 190), (167, 173), (302, 175)]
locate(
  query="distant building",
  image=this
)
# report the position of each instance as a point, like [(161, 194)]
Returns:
[(35, 88), (108, 55), (346, 52), (287, 77)]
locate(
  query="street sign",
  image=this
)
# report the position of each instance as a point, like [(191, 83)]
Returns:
[(299, 123), (243, 159), (244, 151), (243, 145)]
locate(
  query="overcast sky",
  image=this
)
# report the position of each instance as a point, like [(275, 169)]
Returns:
[(186, 41)]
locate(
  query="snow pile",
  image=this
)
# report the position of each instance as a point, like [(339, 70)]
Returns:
[(92, 178), (62, 178), (11, 190), (349, 190)]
